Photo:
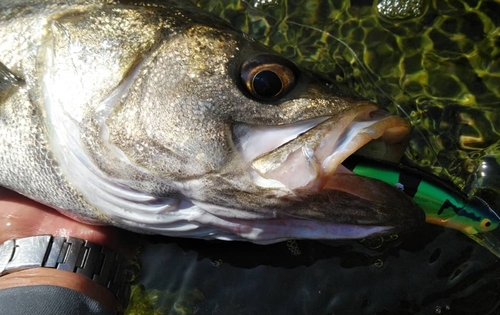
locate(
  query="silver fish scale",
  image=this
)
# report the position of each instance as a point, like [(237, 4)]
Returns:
[(30, 166), (37, 174)]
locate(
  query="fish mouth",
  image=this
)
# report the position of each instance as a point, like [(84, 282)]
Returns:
[(306, 155), (331, 202)]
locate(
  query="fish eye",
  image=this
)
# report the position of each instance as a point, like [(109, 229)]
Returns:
[(268, 77)]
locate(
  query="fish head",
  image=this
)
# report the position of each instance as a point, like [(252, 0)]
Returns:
[(254, 140), (210, 134)]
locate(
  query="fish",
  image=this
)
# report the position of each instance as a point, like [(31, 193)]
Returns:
[(159, 118), (443, 204)]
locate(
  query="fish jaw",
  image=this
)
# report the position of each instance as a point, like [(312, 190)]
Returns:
[(277, 230), (334, 213), (317, 146)]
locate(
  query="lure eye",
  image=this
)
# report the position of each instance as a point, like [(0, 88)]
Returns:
[(486, 224), (268, 77)]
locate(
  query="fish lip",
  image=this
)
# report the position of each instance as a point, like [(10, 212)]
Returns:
[(309, 159), (272, 231)]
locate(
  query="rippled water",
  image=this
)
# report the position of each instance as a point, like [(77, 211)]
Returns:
[(437, 62)]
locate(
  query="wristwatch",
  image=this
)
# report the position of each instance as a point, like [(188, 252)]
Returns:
[(72, 254)]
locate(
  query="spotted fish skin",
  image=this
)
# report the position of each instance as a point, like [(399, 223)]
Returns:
[(145, 115)]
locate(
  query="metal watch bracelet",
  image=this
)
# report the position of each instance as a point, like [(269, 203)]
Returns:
[(76, 255)]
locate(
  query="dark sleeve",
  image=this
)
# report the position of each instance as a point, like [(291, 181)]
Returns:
[(48, 300)]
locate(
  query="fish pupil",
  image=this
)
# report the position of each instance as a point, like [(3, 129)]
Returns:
[(267, 84)]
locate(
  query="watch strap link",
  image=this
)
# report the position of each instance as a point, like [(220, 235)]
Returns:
[(76, 255)]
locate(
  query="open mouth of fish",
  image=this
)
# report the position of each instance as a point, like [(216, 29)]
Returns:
[(306, 158), (308, 154)]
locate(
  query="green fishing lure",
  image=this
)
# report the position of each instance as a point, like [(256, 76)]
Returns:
[(442, 204)]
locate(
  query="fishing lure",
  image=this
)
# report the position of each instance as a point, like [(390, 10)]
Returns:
[(443, 205)]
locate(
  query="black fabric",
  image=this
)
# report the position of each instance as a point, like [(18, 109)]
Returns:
[(48, 300)]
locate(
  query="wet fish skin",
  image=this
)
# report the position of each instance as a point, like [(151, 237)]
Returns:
[(123, 114)]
